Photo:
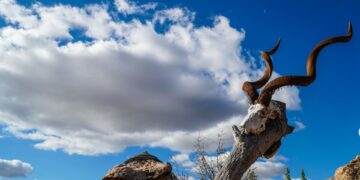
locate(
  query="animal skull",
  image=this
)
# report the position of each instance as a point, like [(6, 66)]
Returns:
[(257, 117), (262, 108)]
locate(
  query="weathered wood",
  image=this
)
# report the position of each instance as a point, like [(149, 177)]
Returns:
[(249, 147)]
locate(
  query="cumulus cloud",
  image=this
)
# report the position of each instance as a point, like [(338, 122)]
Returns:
[(269, 169), (299, 126), (183, 160), (129, 7), (14, 168), (265, 169), (85, 82), (288, 94), (177, 15)]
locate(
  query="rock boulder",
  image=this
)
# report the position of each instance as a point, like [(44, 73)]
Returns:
[(141, 167), (350, 171)]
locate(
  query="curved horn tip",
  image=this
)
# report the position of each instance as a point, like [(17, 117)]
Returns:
[(350, 29), (279, 41), (274, 49)]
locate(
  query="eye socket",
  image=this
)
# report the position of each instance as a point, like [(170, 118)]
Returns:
[(273, 115), (262, 114)]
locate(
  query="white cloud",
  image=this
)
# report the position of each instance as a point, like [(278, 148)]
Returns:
[(177, 15), (278, 158), (268, 169), (14, 168), (299, 178), (288, 94), (123, 83), (183, 160), (265, 169), (299, 126), (129, 7), (17, 14)]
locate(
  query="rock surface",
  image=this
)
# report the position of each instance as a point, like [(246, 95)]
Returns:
[(350, 171), (141, 167)]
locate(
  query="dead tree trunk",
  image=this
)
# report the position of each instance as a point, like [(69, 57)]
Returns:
[(248, 148), (265, 124)]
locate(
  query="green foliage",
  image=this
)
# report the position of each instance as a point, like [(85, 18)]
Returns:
[(303, 175), (287, 174)]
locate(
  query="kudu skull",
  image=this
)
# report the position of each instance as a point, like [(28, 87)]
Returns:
[(262, 108)]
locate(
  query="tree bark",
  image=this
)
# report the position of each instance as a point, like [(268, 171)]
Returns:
[(248, 148)]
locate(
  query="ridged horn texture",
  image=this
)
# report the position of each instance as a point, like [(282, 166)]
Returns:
[(251, 87), (272, 86)]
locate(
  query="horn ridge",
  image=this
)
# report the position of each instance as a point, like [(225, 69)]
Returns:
[(272, 86), (251, 87)]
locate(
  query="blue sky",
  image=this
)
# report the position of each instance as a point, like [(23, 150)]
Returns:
[(88, 84)]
